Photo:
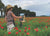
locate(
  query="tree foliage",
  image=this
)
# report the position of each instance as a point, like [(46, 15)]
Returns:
[(19, 10), (1, 5)]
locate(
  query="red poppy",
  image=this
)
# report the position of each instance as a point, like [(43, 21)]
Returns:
[(46, 26), (29, 28), (29, 25), (19, 30), (27, 33), (37, 30), (25, 27), (24, 30), (0, 22), (2, 27), (16, 32), (9, 32), (43, 28), (16, 28)]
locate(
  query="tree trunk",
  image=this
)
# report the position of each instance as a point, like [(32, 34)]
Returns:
[(4, 14), (1, 13)]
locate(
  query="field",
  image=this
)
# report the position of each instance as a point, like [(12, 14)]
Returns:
[(34, 26)]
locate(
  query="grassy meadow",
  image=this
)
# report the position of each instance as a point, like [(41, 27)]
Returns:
[(34, 26)]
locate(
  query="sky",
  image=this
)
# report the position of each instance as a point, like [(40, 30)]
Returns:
[(41, 7)]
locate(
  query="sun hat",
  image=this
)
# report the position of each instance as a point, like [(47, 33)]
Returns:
[(9, 6)]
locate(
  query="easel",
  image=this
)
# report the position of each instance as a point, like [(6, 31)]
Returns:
[(22, 20)]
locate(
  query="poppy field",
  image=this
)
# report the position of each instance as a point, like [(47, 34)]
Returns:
[(34, 26)]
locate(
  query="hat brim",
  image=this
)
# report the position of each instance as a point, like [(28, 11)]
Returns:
[(10, 7)]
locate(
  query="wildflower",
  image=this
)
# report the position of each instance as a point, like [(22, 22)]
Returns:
[(37, 30), (43, 28), (29, 25), (16, 32), (25, 27), (0, 22), (24, 30), (29, 28), (27, 33), (2, 27), (19, 30), (16, 28), (9, 32), (46, 26)]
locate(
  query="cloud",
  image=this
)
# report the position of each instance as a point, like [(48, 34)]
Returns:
[(11, 2), (43, 9), (25, 3), (33, 2)]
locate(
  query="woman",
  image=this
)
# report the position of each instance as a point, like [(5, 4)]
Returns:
[(9, 18)]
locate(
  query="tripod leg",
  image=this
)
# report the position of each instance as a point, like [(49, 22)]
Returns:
[(20, 24)]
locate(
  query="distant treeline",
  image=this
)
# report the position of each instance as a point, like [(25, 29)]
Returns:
[(19, 10)]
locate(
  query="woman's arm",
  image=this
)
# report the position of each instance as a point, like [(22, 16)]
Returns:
[(5, 19), (15, 16)]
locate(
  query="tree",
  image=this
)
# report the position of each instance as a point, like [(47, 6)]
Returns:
[(1, 7), (19, 10)]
